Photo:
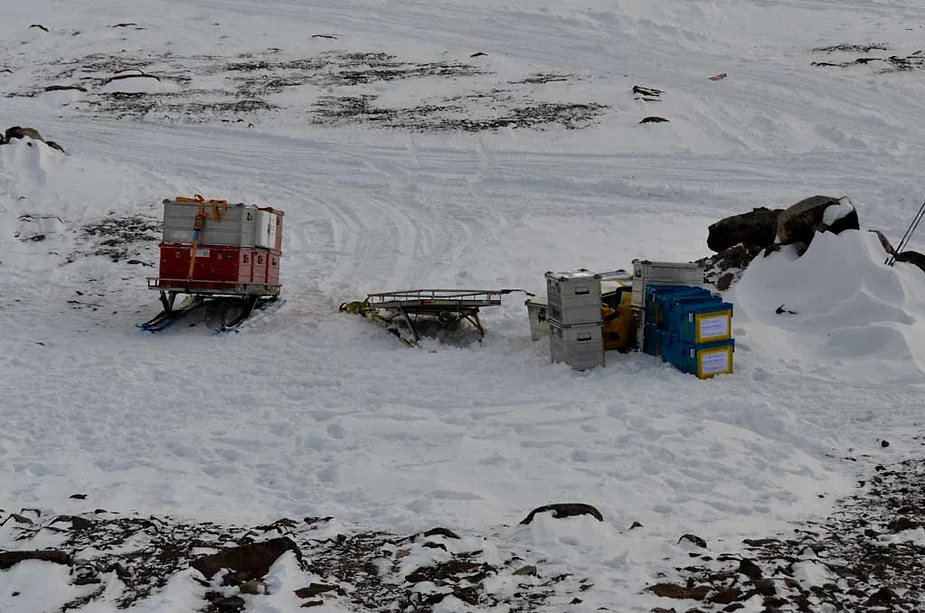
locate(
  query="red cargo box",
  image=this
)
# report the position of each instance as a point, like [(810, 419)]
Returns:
[(273, 265), (218, 269)]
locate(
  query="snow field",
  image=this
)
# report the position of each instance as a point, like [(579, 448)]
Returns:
[(317, 413)]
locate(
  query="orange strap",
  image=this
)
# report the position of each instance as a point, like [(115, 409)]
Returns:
[(199, 222)]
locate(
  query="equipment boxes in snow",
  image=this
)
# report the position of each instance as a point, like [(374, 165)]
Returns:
[(663, 273), (575, 315), (221, 269), (660, 299), (537, 313), (225, 224), (701, 322), (704, 360), (574, 290), (579, 346)]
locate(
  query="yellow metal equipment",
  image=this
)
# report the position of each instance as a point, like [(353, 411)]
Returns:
[(618, 323)]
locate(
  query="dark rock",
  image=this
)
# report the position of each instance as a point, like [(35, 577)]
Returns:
[(800, 222), (78, 496), (661, 610), (39, 26), (433, 545), (315, 589), (635, 525), (473, 571), (765, 587), (442, 532), (654, 119), (724, 268), (470, 595), (902, 524), (228, 604), (17, 518), (649, 93), (478, 54), (726, 596), (693, 538), (882, 597), (757, 228), (781, 310), (529, 571), (20, 132), (884, 443), (733, 607), (912, 257), (250, 561), (750, 570), (672, 590), (564, 509), (8, 559), (885, 242), (64, 88)]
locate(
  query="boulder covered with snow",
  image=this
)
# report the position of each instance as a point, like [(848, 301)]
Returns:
[(18, 132), (800, 222), (756, 228)]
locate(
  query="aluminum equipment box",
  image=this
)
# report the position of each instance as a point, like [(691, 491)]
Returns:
[(663, 273), (579, 346), (236, 228), (269, 229), (573, 289)]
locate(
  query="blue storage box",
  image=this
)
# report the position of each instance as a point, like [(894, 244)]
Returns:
[(667, 304), (701, 322), (651, 340), (658, 297), (704, 360)]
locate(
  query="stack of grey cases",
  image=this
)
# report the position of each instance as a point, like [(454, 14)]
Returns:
[(574, 314), (659, 273)]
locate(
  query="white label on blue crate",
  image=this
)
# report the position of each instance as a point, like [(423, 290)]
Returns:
[(714, 327), (712, 362), (202, 253)]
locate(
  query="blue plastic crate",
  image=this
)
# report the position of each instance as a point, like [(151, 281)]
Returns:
[(701, 322), (658, 295), (704, 360), (664, 302), (651, 340)]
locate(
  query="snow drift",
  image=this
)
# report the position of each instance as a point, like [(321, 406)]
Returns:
[(838, 305)]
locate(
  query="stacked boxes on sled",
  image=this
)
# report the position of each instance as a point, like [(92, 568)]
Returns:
[(237, 250), (689, 328), (574, 315)]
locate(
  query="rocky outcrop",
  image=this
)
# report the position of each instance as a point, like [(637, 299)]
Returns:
[(800, 222), (564, 509), (756, 228), (17, 132)]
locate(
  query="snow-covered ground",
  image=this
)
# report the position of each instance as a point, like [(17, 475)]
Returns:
[(317, 413)]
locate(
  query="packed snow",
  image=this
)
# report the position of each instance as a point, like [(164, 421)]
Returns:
[(316, 413)]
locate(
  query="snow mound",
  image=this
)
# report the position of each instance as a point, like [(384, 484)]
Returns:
[(838, 304), (28, 159), (138, 84)]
